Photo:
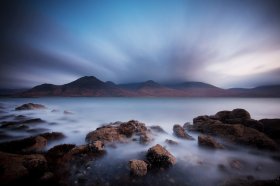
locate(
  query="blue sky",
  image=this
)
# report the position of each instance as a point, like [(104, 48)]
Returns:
[(225, 43)]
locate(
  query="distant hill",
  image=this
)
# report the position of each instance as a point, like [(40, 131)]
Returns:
[(92, 86)]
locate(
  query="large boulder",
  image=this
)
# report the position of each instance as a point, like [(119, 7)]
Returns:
[(30, 106), (16, 168), (209, 142), (138, 167), (236, 133), (157, 129), (158, 156), (181, 133), (236, 116), (119, 132)]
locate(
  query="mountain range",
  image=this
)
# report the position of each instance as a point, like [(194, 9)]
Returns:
[(92, 86)]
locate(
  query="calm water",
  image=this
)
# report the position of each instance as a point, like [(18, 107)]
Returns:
[(199, 164)]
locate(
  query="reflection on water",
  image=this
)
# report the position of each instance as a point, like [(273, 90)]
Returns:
[(195, 166)]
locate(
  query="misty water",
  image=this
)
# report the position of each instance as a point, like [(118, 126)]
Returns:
[(195, 165)]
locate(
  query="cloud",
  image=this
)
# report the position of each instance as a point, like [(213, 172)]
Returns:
[(226, 43)]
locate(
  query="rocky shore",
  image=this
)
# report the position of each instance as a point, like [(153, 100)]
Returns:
[(28, 161)]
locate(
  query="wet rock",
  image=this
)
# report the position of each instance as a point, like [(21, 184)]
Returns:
[(30, 106), (96, 146), (55, 110), (181, 133), (208, 141), (158, 156), (158, 129), (47, 177), (236, 164), (236, 133), (119, 132), (138, 167), (171, 142), (187, 125), (15, 168)]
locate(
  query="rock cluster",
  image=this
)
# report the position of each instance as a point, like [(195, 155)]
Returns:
[(30, 106)]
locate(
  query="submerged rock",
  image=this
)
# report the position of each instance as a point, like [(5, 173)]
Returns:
[(30, 106), (181, 133), (208, 141), (138, 167), (158, 156), (158, 129), (171, 142)]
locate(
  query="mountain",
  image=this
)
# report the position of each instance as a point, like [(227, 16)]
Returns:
[(85, 86), (92, 86)]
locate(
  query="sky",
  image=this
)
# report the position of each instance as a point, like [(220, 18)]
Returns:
[(225, 43)]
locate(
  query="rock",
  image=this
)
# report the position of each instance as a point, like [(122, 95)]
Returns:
[(138, 167), (68, 112), (236, 116), (132, 127), (120, 132), (254, 124), (236, 133), (30, 106), (181, 133), (60, 150), (171, 142), (208, 141), (250, 182), (187, 125), (236, 164), (160, 157), (31, 144), (271, 127), (15, 168), (145, 139), (14, 124), (158, 129), (53, 136), (96, 146)]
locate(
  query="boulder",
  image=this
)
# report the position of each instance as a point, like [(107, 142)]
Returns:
[(15, 168), (236, 133), (181, 133), (236, 116), (60, 150), (158, 156), (105, 134), (30, 106), (208, 141), (138, 167)]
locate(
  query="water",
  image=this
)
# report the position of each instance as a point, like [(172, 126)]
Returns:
[(195, 166)]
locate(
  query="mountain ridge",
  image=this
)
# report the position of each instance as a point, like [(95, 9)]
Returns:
[(93, 87)]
